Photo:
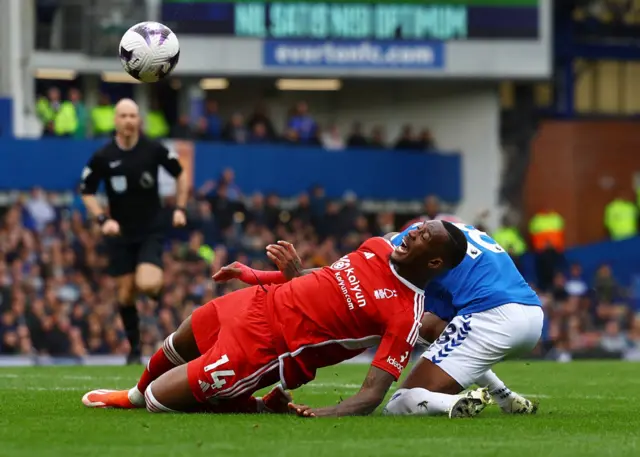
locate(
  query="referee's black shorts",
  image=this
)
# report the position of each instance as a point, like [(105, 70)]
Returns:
[(126, 252)]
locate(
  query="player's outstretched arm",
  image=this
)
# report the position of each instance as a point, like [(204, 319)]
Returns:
[(373, 390), (286, 258)]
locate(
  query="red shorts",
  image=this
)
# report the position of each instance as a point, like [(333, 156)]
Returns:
[(239, 354)]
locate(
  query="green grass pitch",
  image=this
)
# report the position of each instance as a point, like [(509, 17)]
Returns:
[(586, 409)]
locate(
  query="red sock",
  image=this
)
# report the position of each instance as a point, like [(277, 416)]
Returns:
[(162, 361)]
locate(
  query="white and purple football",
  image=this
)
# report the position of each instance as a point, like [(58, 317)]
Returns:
[(149, 51)]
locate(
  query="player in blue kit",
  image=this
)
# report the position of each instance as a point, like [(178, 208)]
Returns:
[(492, 314)]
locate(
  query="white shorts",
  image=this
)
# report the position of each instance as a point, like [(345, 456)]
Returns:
[(472, 343)]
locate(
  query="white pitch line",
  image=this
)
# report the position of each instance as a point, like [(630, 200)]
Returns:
[(69, 377), (45, 389)]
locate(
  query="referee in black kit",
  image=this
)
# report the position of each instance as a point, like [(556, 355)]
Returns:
[(136, 223)]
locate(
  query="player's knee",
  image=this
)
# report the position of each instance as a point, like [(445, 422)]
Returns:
[(152, 403), (184, 342), (172, 351), (148, 286)]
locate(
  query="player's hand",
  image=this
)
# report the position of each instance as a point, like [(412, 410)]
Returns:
[(286, 258), (110, 228), (301, 410), (179, 218), (229, 272)]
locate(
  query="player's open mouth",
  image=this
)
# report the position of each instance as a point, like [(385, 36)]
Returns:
[(403, 248)]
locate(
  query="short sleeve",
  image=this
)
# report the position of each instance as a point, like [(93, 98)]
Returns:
[(169, 160), (92, 174), (398, 340)]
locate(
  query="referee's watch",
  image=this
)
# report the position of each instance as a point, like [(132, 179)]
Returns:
[(101, 219), (183, 209)]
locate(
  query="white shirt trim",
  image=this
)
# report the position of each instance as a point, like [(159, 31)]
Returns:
[(404, 281)]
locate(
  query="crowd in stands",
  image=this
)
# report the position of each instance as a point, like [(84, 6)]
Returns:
[(56, 299), (70, 118)]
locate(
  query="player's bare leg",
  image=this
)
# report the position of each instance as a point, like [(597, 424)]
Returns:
[(178, 348), (129, 314), (430, 391), (172, 393), (148, 279)]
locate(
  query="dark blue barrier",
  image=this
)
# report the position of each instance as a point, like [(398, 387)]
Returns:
[(622, 256), (56, 164), (372, 174)]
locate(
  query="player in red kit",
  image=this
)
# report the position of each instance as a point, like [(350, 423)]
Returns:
[(262, 335)]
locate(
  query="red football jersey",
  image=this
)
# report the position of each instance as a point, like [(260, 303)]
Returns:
[(339, 311)]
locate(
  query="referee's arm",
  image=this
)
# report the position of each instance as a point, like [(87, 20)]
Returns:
[(91, 177), (169, 161)]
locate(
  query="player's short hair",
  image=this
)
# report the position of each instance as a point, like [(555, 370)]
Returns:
[(457, 244)]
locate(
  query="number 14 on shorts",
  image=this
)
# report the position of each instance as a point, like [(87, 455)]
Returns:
[(217, 380)]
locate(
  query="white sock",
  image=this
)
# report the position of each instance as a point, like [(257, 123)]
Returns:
[(136, 398), (420, 402), (500, 393)]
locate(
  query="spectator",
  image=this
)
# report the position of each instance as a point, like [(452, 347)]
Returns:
[(576, 285), (407, 140), (302, 212), (290, 136), (356, 138), (235, 130), (102, 117), (47, 109), (213, 120), (508, 236), (349, 212), (75, 97), (40, 209), (206, 223), (613, 339), (332, 139), (609, 295), (201, 130), (260, 116), (318, 203), (272, 211), (256, 212), (156, 122), (621, 217), (228, 180), (182, 130), (223, 208), (303, 124), (548, 263), (377, 138), (259, 134), (425, 140)]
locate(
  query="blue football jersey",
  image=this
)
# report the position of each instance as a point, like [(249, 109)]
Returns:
[(485, 279)]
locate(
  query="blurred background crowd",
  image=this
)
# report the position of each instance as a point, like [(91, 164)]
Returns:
[(56, 299)]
